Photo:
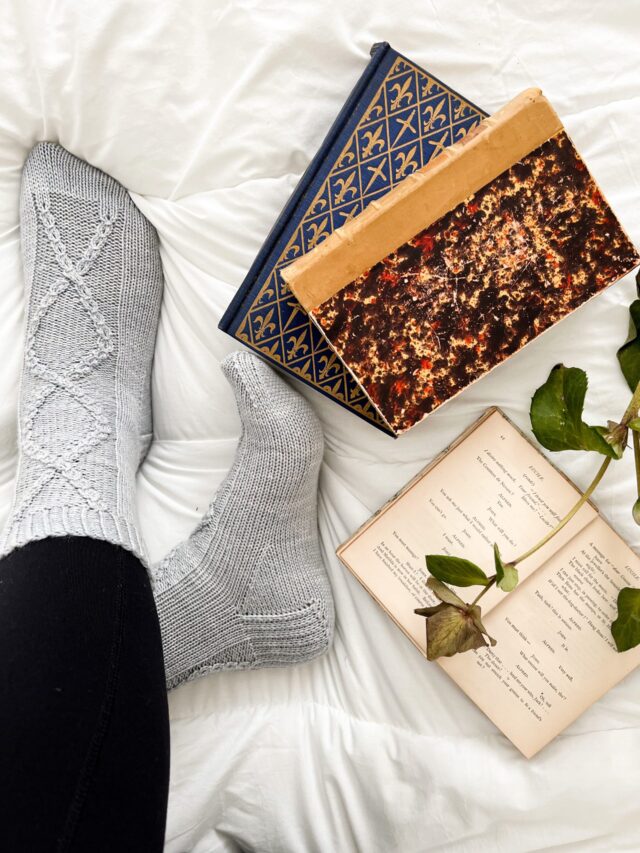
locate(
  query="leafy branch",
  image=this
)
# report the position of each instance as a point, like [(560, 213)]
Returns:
[(455, 626)]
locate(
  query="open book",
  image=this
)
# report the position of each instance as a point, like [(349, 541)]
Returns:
[(554, 655)]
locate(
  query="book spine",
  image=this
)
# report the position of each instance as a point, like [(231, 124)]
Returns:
[(240, 303), (423, 197)]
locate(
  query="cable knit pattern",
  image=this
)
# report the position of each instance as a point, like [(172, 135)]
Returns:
[(93, 285), (248, 588)]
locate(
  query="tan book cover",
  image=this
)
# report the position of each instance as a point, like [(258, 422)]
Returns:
[(554, 655), (464, 262)]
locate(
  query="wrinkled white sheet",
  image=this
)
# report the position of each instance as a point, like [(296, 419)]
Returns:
[(209, 112)]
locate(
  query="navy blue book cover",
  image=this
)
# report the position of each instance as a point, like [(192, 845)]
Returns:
[(395, 120)]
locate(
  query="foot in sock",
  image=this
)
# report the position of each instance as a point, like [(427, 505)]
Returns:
[(93, 284), (248, 588)]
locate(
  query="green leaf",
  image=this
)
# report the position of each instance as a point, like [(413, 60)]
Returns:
[(626, 628), (506, 573), (451, 631), (634, 424), (635, 512), (455, 570), (629, 353), (556, 414)]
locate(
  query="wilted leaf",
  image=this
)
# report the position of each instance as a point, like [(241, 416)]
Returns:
[(556, 414), (455, 570), (616, 435), (476, 614), (629, 353), (429, 611), (506, 574), (452, 630), (443, 592), (446, 596), (626, 628)]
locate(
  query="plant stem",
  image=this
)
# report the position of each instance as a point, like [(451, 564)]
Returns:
[(584, 498), (483, 590), (632, 408), (636, 453)]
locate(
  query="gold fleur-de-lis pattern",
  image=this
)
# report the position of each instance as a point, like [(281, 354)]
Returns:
[(410, 118)]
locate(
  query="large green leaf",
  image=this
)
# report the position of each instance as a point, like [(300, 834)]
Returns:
[(506, 573), (455, 570), (556, 414), (629, 353), (626, 628)]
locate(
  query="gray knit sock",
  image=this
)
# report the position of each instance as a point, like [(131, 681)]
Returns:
[(93, 285), (248, 588)]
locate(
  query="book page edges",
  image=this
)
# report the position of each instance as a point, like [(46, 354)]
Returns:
[(495, 145)]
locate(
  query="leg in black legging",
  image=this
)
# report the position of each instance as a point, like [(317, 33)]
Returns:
[(84, 731)]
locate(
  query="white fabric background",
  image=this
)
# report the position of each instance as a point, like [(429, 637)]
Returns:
[(209, 112)]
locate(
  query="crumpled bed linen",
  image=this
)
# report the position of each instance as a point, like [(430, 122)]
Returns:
[(209, 112)]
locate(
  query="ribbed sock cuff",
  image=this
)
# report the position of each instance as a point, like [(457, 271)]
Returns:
[(73, 521)]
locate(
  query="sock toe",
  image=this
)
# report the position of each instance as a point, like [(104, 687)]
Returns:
[(264, 397), (248, 375)]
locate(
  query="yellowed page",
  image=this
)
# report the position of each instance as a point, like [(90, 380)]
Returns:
[(555, 655), (494, 486)]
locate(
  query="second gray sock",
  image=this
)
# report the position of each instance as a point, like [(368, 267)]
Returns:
[(248, 588)]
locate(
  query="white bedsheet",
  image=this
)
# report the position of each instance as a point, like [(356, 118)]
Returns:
[(209, 112)]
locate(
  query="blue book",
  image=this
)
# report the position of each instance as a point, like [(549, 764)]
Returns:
[(395, 120)]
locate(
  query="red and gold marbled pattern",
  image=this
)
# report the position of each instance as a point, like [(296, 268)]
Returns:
[(478, 284)]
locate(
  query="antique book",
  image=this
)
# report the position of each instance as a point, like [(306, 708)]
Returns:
[(464, 262), (396, 119), (554, 655)]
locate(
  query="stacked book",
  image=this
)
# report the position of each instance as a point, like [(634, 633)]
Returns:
[(397, 118), (424, 245)]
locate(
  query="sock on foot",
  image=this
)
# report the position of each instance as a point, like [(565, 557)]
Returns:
[(248, 588), (93, 283)]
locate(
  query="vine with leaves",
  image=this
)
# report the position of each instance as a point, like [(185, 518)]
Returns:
[(455, 626)]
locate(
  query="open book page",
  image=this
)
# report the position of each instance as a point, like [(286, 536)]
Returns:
[(491, 486), (555, 654)]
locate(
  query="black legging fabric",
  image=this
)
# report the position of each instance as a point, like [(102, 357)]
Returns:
[(84, 725)]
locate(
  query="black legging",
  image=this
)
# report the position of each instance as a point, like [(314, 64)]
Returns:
[(84, 725)]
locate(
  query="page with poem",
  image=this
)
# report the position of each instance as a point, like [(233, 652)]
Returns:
[(555, 655), (493, 486)]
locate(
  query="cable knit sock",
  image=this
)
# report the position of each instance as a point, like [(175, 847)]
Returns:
[(93, 290), (248, 588)]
